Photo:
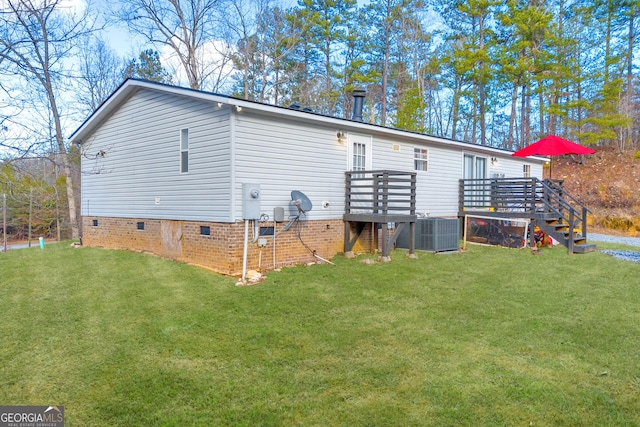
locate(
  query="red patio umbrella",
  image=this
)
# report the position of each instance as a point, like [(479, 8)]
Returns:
[(553, 146)]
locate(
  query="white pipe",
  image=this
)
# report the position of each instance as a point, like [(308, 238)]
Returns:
[(255, 231), (274, 243), (246, 244)]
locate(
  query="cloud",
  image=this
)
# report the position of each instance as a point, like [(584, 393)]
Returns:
[(214, 63), (71, 7)]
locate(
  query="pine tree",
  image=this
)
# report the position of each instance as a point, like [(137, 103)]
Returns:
[(148, 67), (325, 23)]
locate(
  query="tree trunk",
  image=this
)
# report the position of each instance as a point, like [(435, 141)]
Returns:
[(512, 116), (541, 111), (456, 107), (628, 99), (524, 118), (481, 91), (66, 165)]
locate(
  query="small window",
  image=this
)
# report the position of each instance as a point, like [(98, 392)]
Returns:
[(140, 225), (95, 222), (184, 150), (205, 230), (526, 171), (420, 159)]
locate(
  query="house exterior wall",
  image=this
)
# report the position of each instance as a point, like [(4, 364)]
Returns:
[(222, 250), (437, 187), (131, 174), (138, 175), (284, 155), (509, 167)]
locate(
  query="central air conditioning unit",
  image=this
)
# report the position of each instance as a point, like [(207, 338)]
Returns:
[(433, 234)]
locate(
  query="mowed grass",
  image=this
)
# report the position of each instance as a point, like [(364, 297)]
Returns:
[(488, 337)]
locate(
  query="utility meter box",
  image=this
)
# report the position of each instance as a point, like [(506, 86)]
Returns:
[(251, 201), (278, 214)]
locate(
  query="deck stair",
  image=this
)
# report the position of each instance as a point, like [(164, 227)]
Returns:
[(545, 202), (559, 229)]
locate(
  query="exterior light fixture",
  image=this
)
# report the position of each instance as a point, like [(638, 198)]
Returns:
[(341, 136), (220, 104), (238, 108), (494, 161)]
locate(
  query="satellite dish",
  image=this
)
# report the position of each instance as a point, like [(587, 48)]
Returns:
[(300, 201)]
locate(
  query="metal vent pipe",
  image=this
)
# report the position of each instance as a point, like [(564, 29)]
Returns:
[(358, 102)]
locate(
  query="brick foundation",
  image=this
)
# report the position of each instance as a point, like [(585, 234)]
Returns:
[(222, 250)]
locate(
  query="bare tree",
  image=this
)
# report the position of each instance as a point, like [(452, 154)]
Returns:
[(36, 40), (187, 27), (101, 72)]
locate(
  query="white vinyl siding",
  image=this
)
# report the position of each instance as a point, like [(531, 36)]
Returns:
[(139, 175), (286, 155), (437, 190), (510, 167)]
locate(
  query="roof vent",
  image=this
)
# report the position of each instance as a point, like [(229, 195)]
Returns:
[(294, 106), (358, 102)]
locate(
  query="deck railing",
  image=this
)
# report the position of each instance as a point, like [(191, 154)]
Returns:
[(512, 194), (379, 197), (524, 197), (381, 192)]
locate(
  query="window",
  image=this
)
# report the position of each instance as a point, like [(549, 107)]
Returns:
[(475, 168), (140, 225), (95, 222), (359, 152), (359, 157), (420, 159), (184, 150), (526, 171), (205, 230)]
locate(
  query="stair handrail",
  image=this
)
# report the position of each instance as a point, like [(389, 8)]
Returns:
[(566, 194), (563, 202)]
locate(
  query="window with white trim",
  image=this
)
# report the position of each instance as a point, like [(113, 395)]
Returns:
[(184, 150), (526, 171), (420, 159), (359, 157)]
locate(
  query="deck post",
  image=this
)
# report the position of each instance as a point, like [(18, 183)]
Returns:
[(460, 195), (347, 237), (570, 237), (412, 238), (385, 243)]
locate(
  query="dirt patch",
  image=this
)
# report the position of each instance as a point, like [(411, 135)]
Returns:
[(608, 183)]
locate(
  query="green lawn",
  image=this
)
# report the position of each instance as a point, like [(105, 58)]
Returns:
[(489, 337)]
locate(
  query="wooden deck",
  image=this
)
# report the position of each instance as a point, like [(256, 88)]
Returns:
[(379, 197), (544, 202)]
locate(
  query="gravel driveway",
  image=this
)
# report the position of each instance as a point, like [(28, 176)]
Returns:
[(627, 255), (632, 241)]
